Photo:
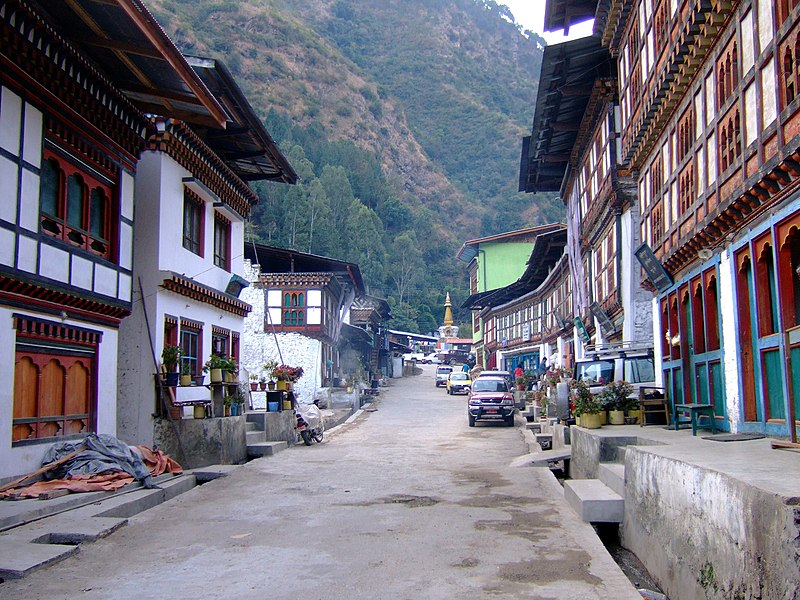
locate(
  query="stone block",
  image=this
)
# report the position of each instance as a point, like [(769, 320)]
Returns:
[(613, 475), (204, 441), (265, 449), (593, 501), (19, 557)]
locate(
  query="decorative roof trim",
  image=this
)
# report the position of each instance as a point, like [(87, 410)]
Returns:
[(202, 293), (179, 142)]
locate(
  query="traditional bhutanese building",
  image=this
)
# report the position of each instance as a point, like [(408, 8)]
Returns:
[(300, 305), (76, 80), (531, 319), (494, 262)]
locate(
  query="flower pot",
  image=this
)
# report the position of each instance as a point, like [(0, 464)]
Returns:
[(254, 386), (270, 385), (198, 379), (289, 386), (590, 420), (227, 410), (186, 380), (603, 417), (262, 385), (171, 378), (272, 407), (230, 377), (216, 375), (175, 413), (616, 417), (234, 410), (637, 414), (578, 420), (287, 405), (199, 411), (281, 385)]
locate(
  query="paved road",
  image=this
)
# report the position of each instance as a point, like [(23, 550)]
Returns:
[(407, 502)]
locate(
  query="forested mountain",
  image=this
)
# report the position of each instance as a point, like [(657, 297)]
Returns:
[(403, 119)]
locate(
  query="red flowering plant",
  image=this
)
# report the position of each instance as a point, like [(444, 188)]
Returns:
[(287, 373)]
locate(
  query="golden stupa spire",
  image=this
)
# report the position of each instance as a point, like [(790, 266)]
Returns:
[(448, 311)]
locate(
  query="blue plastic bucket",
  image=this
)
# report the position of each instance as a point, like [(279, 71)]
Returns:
[(272, 407)]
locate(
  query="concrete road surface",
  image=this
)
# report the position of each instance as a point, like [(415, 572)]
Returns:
[(406, 502)]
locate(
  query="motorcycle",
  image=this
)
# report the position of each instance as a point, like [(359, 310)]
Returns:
[(309, 422)]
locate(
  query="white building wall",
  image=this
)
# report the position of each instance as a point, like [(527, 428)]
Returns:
[(158, 248), (259, 346), (26, 458)]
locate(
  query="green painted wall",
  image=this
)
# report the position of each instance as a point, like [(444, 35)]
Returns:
[(501, 263)]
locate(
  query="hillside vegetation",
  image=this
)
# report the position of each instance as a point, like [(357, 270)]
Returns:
[(403, 120)]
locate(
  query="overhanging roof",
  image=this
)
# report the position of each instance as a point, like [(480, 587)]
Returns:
[(562, 14), (245, 145), (468, 249), (282, 260), (547, 251), (126, 42), (569, 71)]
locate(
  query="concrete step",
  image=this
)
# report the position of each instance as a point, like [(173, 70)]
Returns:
[(545, 440), (254, 437), (38, 541), (534, 427), (265, 448), (613, 475), (594, 501), (18, 557), (251, 426)]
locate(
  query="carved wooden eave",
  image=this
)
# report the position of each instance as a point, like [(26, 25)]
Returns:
[(28, 294), (706, 19), (185, 286), (763, 191), (603, 93), (38, 60), (174, 138), (614, 23)]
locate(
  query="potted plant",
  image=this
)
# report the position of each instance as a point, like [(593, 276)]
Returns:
[(228, 402), (615, 397), (586, 405), (269, 368), (214, 367), (186, 373), (170, 356), (231, 369), (262, 383), (254, 382), (633, 410)]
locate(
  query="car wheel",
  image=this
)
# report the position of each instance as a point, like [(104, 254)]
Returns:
[(471, 420)]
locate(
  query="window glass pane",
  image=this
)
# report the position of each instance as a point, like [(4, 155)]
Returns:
[(75, 201), (97, 214), (48, 188)]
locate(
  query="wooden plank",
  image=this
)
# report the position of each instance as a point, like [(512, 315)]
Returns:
[(44, 469), (780, 444)]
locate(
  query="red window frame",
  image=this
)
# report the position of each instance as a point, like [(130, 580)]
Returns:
[(78, 230), (193, 222), (222, 242)]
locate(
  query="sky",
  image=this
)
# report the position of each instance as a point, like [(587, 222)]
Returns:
[(530, 14)]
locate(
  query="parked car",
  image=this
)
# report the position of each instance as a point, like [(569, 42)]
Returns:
[(457, 382), (431, 359), (504, 374), (442, 373), (417, 356), (490, 399)]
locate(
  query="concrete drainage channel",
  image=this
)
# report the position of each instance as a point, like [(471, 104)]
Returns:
[(35, 533)]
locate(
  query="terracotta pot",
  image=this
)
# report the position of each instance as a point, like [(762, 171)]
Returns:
[(270, 385), (254, 386), (175, 412), (590, 420), (262, 385), (227, 411)]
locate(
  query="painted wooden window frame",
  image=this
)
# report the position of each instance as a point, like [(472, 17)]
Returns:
[(47, 345), (192, 330), (59, 219), (222, 242), (193, 222)]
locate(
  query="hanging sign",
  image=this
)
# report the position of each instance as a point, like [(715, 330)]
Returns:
[(653, 267), (581, 329), (606, 324)]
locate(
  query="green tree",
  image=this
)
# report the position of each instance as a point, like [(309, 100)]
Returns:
[(406, 264)]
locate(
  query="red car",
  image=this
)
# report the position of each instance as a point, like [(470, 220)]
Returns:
[(491, 399)]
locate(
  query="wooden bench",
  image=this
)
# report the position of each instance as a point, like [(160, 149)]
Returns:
[(695, 411), (653, 401)]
